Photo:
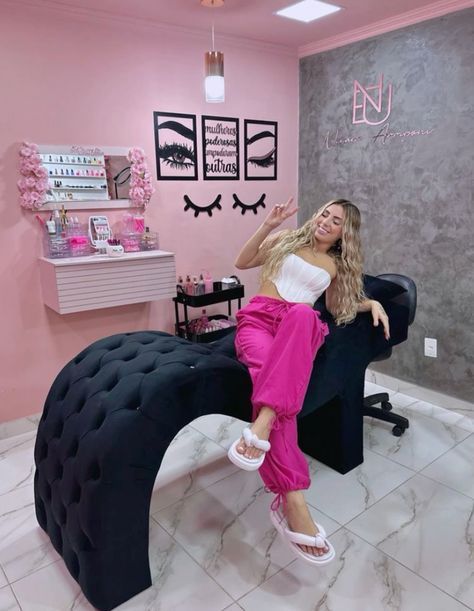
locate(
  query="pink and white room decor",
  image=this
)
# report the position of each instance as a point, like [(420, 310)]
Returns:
[(33, 183), (141, 188)]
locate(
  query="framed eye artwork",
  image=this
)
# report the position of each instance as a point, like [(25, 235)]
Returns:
[(260, 149), (175, 146)]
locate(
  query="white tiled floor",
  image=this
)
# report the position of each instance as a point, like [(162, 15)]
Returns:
[(402, 524)]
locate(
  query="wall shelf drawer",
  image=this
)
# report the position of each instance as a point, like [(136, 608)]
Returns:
[(89, 283)]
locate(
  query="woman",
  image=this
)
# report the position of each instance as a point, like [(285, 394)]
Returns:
[(278, 336)]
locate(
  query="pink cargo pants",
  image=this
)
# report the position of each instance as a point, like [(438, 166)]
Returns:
[(278, 341)]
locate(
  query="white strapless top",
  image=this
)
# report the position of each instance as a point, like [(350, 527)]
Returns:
[(299, 281)]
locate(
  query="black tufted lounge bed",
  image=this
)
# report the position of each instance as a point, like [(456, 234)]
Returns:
[(114, 409)]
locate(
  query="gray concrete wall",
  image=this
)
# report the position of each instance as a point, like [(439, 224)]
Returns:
[(416, 191)]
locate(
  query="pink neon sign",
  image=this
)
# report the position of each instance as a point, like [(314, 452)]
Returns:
[(362, 98)]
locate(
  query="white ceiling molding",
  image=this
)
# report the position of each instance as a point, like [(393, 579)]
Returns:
[(432, 11)]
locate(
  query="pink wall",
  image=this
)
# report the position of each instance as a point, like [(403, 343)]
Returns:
[(69, 80)]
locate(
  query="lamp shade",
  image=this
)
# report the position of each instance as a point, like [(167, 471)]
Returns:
[(214, 76)]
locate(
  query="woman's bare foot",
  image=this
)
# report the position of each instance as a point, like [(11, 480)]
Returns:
[(262, 428), (299, 520)]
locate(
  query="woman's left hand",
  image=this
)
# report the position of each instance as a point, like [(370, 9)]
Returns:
[(379, 314)]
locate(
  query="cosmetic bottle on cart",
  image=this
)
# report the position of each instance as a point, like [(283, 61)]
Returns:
[(188, 285), (201, 285), (208, 283)]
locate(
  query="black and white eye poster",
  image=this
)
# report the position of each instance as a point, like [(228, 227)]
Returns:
[(175, 144), (220, 148), (261, 147)]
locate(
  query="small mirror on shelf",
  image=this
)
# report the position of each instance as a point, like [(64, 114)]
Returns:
[(117, 169)]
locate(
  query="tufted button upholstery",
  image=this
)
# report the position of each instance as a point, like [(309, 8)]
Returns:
[(113, 410), (108, 419)]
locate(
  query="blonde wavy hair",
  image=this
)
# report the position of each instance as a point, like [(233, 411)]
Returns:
[(346, 252)]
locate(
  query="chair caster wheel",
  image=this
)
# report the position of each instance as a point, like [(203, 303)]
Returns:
[(398, 431), (386, 406)]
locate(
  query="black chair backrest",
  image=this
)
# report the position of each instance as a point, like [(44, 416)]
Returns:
[(407, 298)]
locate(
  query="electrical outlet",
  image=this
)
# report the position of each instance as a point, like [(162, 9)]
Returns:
[(431, 347)]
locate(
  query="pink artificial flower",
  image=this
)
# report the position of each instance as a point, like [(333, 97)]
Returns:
[(40, 171), (27, 167), (138, 168), (136, 193), (25, 199), (28, 149), (136, 155), (140, 178), (22, 184), (34, 182)]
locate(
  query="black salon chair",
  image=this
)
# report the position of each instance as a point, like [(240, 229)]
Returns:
[(408, 299)]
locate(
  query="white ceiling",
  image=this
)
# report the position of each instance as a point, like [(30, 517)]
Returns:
[(256, 19)]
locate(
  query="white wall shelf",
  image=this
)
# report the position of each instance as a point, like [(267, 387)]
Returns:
[(96, 204), (77, 284)]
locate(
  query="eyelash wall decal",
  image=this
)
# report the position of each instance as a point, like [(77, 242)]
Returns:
[(245, 207), (198, 209), (263, 161)]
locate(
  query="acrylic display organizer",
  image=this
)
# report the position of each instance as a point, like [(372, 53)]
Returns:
[(55, 247), (72, 244), (131, 242), (149, 241)]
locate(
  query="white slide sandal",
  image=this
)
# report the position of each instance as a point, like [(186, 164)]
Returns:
[(251, 440), (294, 540)]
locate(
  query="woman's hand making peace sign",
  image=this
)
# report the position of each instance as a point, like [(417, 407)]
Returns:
[(280, 213)]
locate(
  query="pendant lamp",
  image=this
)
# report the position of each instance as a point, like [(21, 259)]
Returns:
[(214, 75)]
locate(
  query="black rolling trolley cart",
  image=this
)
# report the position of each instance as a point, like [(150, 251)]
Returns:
[(218, 295)]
